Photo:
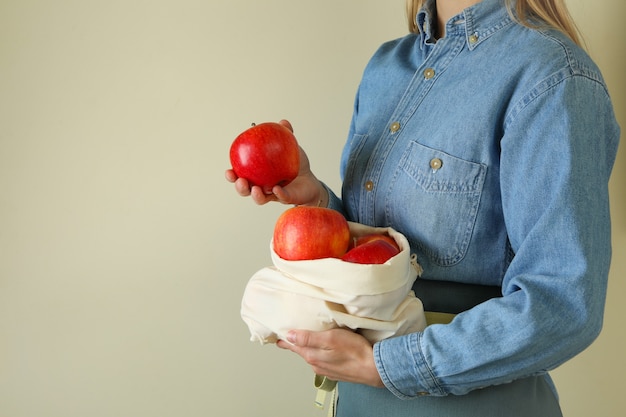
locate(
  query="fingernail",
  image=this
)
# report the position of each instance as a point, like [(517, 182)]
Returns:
[(291, 336)]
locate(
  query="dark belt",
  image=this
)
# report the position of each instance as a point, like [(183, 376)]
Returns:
[(452, 297)]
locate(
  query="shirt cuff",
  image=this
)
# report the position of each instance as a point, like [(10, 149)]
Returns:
[(403, 367), (334, 202)]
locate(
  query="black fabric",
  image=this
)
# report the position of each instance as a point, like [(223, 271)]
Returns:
[(452, 297)]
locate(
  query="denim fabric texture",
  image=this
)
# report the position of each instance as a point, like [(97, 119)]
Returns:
[(490, 149)]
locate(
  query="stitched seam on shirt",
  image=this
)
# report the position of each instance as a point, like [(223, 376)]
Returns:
[(573, 68), (434, 381), (543, 87), (486, 33), (576, 67), (382, 371)]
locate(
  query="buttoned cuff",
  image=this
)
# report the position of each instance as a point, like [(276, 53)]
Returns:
[(403, 368)]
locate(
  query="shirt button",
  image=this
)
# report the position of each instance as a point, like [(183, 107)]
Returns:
[(369, 185), (395, 126), (429, 73), (436, 163), (473, 39)]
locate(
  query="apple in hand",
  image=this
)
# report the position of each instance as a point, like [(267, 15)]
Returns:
[(303, 233), (372, 249), (266, 155)]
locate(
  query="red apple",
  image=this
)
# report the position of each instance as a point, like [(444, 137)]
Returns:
[(375, 251), (375, 236), (303, 232), (266, 155)]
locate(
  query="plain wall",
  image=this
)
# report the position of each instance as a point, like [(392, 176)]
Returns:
[(124, 252)]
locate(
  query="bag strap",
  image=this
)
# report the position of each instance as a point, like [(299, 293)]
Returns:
[(435, 317), (324, 386)]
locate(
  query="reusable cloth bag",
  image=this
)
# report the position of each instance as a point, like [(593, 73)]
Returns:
[(322, 294)]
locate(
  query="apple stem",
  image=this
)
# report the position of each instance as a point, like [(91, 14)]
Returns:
[(253, 124)]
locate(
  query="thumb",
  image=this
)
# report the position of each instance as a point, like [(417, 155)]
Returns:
[(300, 338), (281, 194)]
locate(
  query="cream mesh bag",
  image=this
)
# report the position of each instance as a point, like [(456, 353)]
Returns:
[(375, 300)]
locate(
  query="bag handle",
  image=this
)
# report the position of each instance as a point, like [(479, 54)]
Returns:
[(324, 386)]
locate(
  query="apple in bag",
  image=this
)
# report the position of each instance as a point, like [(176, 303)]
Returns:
[(372, 249), (307, 233)]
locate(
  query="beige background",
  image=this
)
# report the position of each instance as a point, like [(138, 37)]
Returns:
[(124, 252)]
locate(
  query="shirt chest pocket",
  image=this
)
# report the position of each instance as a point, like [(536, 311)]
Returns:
[(433, 199)]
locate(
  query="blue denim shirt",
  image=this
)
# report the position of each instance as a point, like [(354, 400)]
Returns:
[(491, 150)]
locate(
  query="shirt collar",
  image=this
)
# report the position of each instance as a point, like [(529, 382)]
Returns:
[(476, 23)]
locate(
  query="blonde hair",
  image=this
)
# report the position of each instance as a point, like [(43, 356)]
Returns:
[(529, 13)]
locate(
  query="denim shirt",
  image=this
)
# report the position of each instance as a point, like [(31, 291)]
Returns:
[(490, 150)]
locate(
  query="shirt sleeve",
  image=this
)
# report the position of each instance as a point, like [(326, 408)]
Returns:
[(557, 153), (334, 202)]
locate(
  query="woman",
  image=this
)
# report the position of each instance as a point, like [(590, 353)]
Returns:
[(487, 137)]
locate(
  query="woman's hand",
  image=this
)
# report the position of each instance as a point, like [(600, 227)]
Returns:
[(338, 354), (305, 189)]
